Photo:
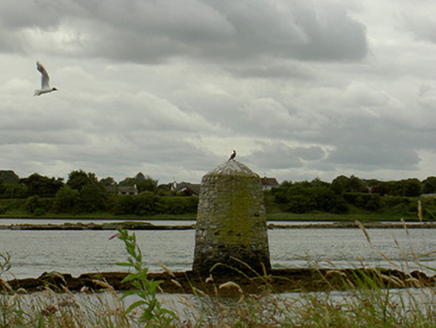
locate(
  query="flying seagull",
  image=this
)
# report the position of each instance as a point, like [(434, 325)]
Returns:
[(233, 155), (45, 81)]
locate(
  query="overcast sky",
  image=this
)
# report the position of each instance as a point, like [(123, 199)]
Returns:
[(299, 88)]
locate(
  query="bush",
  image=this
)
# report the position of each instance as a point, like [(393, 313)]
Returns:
[(92, 198), (178, 205), (39, 212), (65, 200), (370, 202), (34, 203), (124, 204), (146, 204), (392, 201)]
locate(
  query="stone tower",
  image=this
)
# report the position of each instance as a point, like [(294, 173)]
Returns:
[(231, 221)]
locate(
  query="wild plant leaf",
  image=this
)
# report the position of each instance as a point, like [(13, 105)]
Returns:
[(169, 312), (130, 277), (134, 306), (129, 293)]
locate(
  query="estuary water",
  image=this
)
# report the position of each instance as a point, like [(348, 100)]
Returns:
[(76, 252)]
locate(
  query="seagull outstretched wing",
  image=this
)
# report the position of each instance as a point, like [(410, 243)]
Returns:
[(45, 79)]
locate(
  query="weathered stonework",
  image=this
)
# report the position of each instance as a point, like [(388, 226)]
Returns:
[(231, 221)]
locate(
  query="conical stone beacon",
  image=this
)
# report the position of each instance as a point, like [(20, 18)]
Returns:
[(231, 228)]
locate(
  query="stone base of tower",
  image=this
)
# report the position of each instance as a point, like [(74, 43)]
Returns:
[(231, 230), (231, 258)]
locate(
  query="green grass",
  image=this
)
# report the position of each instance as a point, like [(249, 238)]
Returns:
[(363, 217), (278, 216), (99, 216)]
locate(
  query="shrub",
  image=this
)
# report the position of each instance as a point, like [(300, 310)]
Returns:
[(92, 198), (65, 200), (39, 212)]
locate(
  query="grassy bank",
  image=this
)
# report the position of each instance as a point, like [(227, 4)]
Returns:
[(278, 216), (351, 217), (182, 208)]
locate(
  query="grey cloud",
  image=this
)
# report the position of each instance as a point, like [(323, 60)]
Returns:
[(217, 31), (27, 14), (165, 87), (277, 155), (332, 36), (274, 70), (369, 143), (422, 27), (367, 158)]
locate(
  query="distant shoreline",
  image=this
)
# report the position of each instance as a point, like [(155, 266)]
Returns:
[(139, 225)]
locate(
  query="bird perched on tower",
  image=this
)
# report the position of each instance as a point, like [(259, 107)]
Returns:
[(233, 155), (45, 81)]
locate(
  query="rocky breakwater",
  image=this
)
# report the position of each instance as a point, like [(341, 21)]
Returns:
[(131, 225)]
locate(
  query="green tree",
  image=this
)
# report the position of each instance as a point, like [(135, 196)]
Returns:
[(124, 204), (303, 197), (92, 198), (109, 181), (429, 185), (42, 186), (65, 200), (37, 205), (142, 182), (128, 182), (343, 184), (326, 200), (147, 184), (9, 176), (9, 190), (146, 204), (356, 185), (78, 179), (32, 203), (405, 188), (413, 188), (340, 184)]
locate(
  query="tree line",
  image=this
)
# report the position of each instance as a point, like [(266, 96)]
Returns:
[(85, 193), (352, 194)]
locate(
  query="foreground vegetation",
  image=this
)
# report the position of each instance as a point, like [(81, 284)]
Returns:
[(363, 304)]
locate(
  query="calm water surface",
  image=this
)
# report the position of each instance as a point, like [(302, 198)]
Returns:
[(77, 252)]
